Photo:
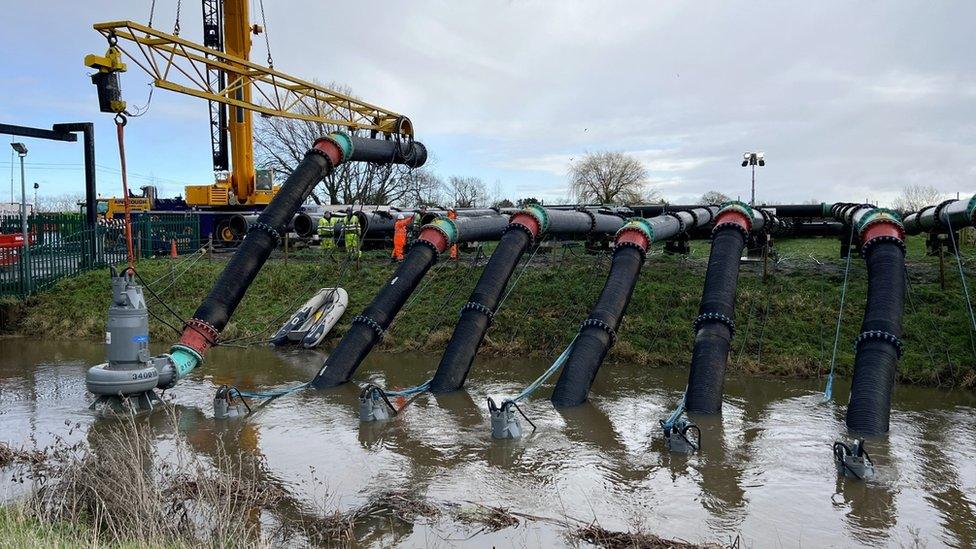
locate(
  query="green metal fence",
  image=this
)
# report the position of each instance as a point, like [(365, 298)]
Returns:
[(156, 232), (61, 247)]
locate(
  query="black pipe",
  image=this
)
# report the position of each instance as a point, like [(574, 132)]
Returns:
[(797, 210), (262, 237), (386, 151), (476, 315), (598, 332), (716, 312), (878, 346), (367, 329)]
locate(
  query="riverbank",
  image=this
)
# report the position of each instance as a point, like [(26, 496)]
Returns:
[(785, 320)]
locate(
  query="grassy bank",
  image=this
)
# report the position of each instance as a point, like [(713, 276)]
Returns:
[(785, 322)]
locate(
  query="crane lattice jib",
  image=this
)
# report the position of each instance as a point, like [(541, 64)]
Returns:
[(180, 65)]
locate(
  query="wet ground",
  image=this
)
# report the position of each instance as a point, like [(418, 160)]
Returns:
[(765, 471)]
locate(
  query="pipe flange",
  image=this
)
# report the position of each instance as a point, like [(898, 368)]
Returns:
[(522, 227), (870, 244), (694, 217), (938, 212), (334, 141), (205, 329), (717, 317), (879, 335), (483, 309), (729, 225), (422, 242), (681, 224), (370, 323), (636, 246), (592, 218), (264, 227), (597, 323), (328, 161), (434, 226)]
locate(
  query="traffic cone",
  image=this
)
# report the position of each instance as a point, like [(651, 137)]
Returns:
[(172, 248)]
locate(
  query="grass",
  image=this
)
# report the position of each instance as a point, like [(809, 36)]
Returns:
[(785, 322)]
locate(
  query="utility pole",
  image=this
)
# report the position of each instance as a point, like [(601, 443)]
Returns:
[(753, 159), (25, 248)]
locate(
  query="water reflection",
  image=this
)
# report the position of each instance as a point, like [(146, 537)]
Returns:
[(764, 471)]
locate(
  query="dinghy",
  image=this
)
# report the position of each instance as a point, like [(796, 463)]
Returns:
[(313, 321)]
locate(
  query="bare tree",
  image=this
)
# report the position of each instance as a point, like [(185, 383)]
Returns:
[(608, 178), (281, 143), (915, 197), (67, 202), (714, 197), (467, 192), (423, 188)]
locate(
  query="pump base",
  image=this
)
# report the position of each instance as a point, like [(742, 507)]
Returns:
[(132, 404)]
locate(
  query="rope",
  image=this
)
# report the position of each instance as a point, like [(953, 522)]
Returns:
[(272, 393), (829, 389), (676, 413), (552, 369), (962, 275)]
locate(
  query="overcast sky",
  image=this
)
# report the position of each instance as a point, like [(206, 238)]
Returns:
[(849, 100)]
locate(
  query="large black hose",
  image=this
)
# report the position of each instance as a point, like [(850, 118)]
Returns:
[(261, 239), (367, 329), (477, 313), (878, 346), (716, 312), (598, 332), (263, 235)]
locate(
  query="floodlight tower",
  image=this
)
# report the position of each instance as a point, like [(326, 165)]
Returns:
[(753, 159)]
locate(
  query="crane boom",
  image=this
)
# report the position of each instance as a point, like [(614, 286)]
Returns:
[(183, 66)]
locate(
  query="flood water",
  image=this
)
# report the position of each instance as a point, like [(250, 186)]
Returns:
[(765, 472)]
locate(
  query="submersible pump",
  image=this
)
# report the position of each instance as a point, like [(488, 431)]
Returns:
[(127, 382)]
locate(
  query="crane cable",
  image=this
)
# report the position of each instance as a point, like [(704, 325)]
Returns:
[(120, 122), (267, 39)]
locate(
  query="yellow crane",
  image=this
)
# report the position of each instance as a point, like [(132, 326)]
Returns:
[(221, 72)]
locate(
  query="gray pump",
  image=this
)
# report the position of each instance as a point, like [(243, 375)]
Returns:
[(125, 383)]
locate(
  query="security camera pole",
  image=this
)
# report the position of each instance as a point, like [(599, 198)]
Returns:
[(753, 159)]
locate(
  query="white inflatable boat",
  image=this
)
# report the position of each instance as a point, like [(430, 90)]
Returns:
[(313, 321)]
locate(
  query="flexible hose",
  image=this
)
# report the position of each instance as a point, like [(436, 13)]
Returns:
[(476, 316), (876, 358), (714, 329), (595, 339), (367, 329)]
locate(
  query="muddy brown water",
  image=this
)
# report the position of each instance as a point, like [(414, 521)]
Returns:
[(765, 471)]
